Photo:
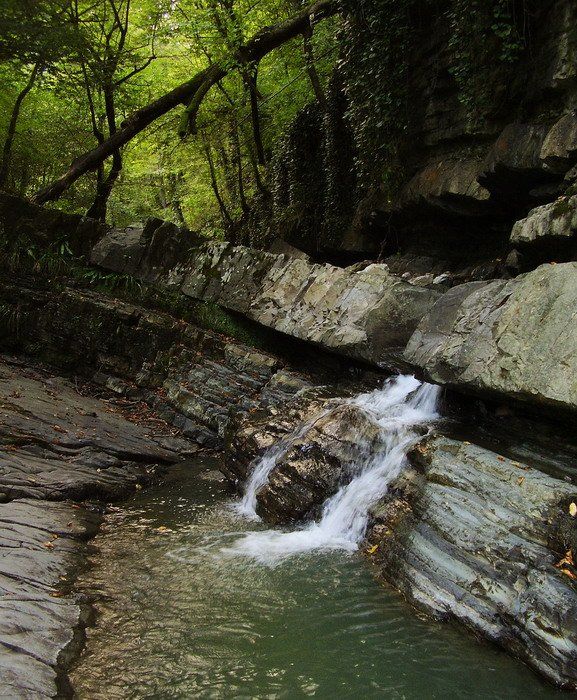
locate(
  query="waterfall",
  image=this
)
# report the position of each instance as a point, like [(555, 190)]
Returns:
[(260, 473), (399, 408)]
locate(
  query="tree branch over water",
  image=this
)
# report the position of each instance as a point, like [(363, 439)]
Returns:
[(189, 94)]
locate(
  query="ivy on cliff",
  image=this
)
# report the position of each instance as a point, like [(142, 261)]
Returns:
[(376, 39), (485, 36)]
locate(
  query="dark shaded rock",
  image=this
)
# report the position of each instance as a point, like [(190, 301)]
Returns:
[(44, 227), (449, 186), (146, 252), (317, 463), (251, 435)]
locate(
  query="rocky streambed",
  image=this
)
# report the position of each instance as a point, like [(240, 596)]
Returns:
[(465, 534), (472, 519)]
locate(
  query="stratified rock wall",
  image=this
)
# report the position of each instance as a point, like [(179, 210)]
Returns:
[(515, 339), (360, 313), (472, 536)]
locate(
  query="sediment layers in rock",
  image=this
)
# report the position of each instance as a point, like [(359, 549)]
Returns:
[(513, 339)]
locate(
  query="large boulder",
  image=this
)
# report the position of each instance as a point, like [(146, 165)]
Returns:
[(557, 220), (145, 252), (472, 536), (362, 314), (515, 339), (317, 462)]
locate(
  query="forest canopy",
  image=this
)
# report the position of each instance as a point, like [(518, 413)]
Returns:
[(73, 71), (200, 111)]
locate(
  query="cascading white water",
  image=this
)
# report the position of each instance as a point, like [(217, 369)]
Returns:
[(260, 473), (399, 408)]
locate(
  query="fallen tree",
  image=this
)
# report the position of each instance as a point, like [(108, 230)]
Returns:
[(190, 94)]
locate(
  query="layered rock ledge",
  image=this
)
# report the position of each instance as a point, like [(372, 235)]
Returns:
[(360, 313), (469, 535), (464, 533), (512, 338)]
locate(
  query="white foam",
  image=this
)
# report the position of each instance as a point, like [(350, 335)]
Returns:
[(398, 408)]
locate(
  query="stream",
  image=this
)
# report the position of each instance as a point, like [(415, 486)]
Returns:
[(195, 598)]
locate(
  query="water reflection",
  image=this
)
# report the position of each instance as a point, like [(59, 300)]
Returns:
[(176, 620)]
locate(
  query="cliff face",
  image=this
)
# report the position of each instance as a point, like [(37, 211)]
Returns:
[(472, 164)]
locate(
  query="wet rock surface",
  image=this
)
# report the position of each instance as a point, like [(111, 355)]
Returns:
[(56, 443), (465, 533), (469, 535), (42, 545), (316, 463)]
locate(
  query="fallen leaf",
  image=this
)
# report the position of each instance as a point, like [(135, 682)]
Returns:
[(373, 549), (48, 545), (569, 573), (520, 480), (501, 459), (567, 559), (573, 510)]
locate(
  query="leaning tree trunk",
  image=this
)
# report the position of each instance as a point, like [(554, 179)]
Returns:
[(190, 93), (11, 134)]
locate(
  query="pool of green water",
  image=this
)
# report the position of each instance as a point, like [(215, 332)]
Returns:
[(178, 619)]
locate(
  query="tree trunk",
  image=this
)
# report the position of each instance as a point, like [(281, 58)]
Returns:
[(251, 78), (240, 174), (11, 134), (259, 46), (214, 182), (105, 186), (312, 70)]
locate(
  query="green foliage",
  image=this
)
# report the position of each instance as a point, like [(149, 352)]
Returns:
[(167, 41), (487, 36), (34, 31), (355, 141)]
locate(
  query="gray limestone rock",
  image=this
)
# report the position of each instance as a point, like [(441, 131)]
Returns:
[(315, 464), (515, 339), (41, 548), (555, 220), (357, 313)]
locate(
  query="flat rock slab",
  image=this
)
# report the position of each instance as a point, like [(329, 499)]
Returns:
[(56, 443), (41, 546)]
